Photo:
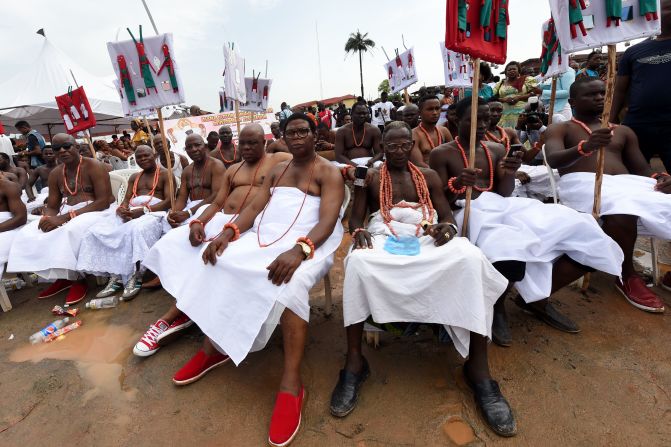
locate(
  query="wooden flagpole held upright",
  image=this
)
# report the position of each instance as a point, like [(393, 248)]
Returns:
[(406, 97), (168, 162), (553, 98), (601, 160), (237, 117), (472, 142)]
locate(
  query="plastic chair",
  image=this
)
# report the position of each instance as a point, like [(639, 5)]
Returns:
[(118, 164), (4, 298), (132, 163), (119, 186)]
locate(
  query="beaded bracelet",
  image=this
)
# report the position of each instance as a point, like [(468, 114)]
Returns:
[(580, 151), (308, 241), (357, 231), (236, 231), (195, 221), (657, 175), (343, 172), (450, 186)]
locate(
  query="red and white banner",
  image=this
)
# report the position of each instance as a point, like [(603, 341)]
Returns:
[(76, 111)]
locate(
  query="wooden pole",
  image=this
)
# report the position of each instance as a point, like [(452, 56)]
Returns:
[(601, 160), (237, 117), (553, 97), (471, 142), (168, 162), (406, 97), (87, 137)]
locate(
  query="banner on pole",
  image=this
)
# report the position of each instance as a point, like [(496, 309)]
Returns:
[(234, 74), (553, 60), (76, 111), (258, 91), (147, 76), (457, 67), (178, 129), (401, 71), (587, 24)]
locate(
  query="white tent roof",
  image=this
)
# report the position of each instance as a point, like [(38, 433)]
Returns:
[(30, 94)]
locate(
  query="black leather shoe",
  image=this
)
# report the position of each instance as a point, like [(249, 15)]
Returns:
[(346, 392), (501, 334), (549, 315), (494, 407)]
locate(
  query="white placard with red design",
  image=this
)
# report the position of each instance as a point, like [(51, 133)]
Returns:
[(401, 71), (457, 68), (258, 91)]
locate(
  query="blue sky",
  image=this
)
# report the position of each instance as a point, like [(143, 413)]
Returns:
[(281, 31)]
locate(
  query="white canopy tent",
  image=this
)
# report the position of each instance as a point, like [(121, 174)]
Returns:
[(29, 95)]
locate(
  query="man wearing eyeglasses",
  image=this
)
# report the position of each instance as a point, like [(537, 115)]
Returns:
[(358, 143), (407, 265), (80, 194)]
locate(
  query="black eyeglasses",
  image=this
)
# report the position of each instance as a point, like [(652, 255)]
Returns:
[(400, 147), (297, 133), (58, 147)]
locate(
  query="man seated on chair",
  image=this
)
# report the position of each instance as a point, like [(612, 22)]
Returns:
[(411, 229), (80, 194), (531, 181), (227, 152), (13, 215), (428, 135), (540, 247), (259, 268), (117, 245), (633, 197), (178, 161), (358, 143)]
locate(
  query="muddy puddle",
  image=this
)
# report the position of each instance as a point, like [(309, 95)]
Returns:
[(97, 348), (459, 431)]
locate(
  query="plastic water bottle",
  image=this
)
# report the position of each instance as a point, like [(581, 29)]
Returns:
[(41, 335), (103, 303)]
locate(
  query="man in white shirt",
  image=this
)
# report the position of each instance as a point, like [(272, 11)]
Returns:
[(382, 112)]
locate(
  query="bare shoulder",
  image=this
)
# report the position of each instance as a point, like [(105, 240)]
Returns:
[(623, 130), (279, 157), (429, 174), (344, 129), (374, 129), (188, 170), (218, 164), (441, 151), (497, 149), (9, 188), (558, 128), (444, 131)]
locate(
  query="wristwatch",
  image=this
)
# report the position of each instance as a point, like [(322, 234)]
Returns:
[(307, 251), (454, 228)]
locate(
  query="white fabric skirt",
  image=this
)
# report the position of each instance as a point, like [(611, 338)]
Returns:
[(519, 229), (114, 247), (539, 187), (621, 194), (233, 302), (53, 255), (6, 238), (166, 226)]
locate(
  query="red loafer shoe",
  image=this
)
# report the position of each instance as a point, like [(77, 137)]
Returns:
[(639, 295), (286, 419), (76, 294), (54, 289), (199, 365)]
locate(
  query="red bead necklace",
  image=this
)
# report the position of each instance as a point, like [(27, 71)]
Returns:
[(157, 173), (489, 160), (586, 127), (65, 179), (387, 197), (272, 192), (428, 137), (362, 138), (200, 182), (504, 140), (235, 153)]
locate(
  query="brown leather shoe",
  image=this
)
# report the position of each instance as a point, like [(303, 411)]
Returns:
[(152, 283)]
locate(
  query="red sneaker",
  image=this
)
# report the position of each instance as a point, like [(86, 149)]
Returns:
[(147, 345), (198, 366), (76, 294), (286, 419), (54, 289), (638, 294), (666, 281), (178, 325)]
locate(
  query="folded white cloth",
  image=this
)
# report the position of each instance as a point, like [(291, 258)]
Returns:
[(114, 246), (53, 255), (233, 302), (453, 285), (38, 202), (519, 229), (539, 187), (359, 162), (632, 195)]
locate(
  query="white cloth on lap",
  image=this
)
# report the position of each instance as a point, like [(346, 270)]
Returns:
[(361, 161), (453, 285), (6, 238), (621, 194), (39, 199), (53, 255), (191, 203), (114, 246), (539, 187), (519, 229), (233, 302)]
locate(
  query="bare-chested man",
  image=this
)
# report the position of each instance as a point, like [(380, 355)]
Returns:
[(411, 115), (212, 141), (13, 216), (278, 144), (42, 172), (428, 135), (7, 167), (496, 133), (80, 194), (358, 143), (227, 152), (258, 271), (633, 196), (457, 288), (234, 190), (116, 246), (540, 247)]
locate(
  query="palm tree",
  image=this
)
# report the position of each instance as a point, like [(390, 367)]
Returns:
[(358, 42)]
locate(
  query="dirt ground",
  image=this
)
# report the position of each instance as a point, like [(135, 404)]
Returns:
[(608, 386)]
